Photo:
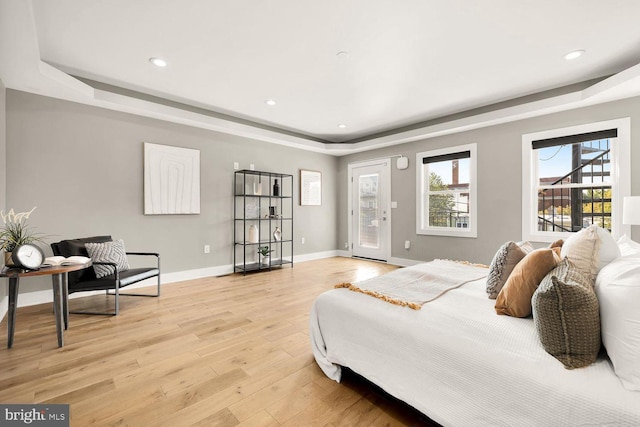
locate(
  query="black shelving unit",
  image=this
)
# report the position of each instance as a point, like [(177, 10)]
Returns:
[(257, 211)]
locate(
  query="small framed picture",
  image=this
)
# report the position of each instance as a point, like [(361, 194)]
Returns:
[(310, 188)]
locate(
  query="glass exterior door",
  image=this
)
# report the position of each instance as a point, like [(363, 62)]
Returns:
[(370, 212)]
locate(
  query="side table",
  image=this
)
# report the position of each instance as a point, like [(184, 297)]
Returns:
[(59, 282)]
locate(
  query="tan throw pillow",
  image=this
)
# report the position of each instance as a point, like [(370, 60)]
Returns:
[(556, 244), (503, 263), (515, 297), (582, 249), (566, 315)]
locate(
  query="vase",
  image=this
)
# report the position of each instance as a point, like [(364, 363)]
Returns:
[(253, 234), (277, 234), (265, 260), (7, 259)]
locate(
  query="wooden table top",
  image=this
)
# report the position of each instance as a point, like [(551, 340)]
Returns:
[(56, 269)]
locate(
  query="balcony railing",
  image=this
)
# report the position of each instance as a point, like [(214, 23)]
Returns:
[(566, 203), (453, 219)]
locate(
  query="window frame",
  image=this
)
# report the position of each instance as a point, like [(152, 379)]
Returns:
[(620, 177), (422, 204)]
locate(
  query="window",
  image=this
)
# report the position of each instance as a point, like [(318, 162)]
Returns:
[(446, 192), (575, 177)]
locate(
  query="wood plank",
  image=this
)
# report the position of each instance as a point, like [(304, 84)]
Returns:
[(223, 351)]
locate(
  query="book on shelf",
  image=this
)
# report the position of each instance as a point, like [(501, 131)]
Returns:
[(60, 260)]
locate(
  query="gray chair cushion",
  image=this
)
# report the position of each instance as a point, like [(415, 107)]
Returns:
[(108, 252)]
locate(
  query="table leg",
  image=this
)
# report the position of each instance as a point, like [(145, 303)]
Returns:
[(65, 300), (14, 284), (57, 306)]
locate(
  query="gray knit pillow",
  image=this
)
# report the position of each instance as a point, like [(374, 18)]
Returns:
[(567, 316), (107, 252), (503, 264)]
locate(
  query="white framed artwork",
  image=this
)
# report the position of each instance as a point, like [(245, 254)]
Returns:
[(171, 180), (310, 188)]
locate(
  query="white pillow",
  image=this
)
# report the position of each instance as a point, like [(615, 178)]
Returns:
[(582, 250), (608, 249), (628, 246), (618, 291)]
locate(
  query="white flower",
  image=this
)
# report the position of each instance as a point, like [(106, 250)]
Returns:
[(11, 216)]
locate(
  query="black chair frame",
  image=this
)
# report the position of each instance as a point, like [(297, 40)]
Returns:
[(112, 284), (117, 286)]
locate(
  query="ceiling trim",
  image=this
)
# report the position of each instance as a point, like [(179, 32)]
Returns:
[(73, 89), (22, 69)]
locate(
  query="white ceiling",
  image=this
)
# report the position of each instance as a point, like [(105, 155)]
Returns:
[(408, 61)]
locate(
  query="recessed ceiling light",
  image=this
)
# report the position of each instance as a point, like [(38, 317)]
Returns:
[(343, 54), (158, 62), (573, 55), (270, 102), (342, 126)]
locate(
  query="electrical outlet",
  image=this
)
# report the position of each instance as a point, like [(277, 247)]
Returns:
[(236, 166), (207, 249), (346, 245), (252, 167), (302, 241), (407, 244)]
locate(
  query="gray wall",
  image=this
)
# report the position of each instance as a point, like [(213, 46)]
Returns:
[(499, 182), (82, 167), (3, 162)]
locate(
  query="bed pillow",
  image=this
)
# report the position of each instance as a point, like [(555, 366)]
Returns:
[(566, 316), (628, 246), (108, 252), (618, 291), (582, 249), (608, 250), (515, 297), (503, 264)]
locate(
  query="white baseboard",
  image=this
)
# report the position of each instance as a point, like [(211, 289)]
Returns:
[(315, 255), (404, 262), (45, 296)]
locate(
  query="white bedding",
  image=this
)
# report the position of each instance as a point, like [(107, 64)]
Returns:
[(461, 364)]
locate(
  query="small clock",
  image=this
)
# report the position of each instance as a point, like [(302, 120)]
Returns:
[(27, 256)]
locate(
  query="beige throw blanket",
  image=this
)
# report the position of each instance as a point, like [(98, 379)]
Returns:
[(414, 286)]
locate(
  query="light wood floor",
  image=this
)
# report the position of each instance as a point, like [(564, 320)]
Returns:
[(220, 351)]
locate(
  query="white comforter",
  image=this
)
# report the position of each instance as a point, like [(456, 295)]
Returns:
[(461, 364)]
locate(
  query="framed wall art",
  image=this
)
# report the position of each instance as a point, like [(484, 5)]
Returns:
[(310, 188), (171, 180)]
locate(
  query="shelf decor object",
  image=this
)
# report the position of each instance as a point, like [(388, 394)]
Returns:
[(171, 180), (263, 222), (253, 234), (310, 188)]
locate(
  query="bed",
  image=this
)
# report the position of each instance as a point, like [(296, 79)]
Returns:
[(461, 364)]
